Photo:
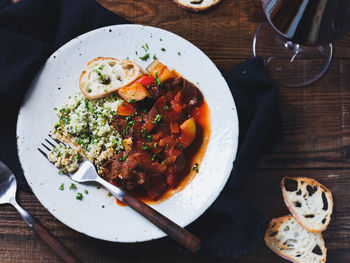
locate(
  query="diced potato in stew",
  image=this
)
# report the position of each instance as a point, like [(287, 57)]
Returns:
[(188, 132)]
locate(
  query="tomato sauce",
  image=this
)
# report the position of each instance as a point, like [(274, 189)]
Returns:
[(193, 154)]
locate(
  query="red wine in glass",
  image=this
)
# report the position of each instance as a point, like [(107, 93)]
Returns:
[(302, 50)]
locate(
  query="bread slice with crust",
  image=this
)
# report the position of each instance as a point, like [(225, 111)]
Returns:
[(287, 238), (105, 75), (196, 5), (309, 201)]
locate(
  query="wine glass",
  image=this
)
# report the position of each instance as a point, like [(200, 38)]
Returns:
[(302, 50)]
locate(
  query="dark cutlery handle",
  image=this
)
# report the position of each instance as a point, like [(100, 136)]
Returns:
[(56, 245), (179, 234)]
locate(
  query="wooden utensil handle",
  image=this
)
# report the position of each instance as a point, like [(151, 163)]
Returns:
[(181, 235), (56, 245)]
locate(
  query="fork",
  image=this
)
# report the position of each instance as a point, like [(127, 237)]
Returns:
[(87, 173)]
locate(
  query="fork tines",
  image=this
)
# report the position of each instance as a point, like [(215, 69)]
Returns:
[(49, 145), (56, 140), (43, 153)]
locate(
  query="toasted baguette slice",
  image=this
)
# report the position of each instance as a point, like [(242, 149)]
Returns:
[(310, 202), (104, 76), (196, 5), (291, 241)]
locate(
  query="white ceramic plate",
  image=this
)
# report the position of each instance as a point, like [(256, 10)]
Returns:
[(97, 215)]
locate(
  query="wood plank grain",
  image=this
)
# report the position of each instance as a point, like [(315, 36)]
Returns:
[(225, 31), (262, 189), (316, 143), (316, 122), (319, 111)]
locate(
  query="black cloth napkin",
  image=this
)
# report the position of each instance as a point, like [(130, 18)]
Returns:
[(31, 30)]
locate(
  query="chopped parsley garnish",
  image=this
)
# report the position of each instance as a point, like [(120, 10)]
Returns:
[(81, 141), (61, 172), (157, 80), (162, 49), (58, 126), (79, 196), (195, 168), (161, 39), (128, 127), (153, 157), (94, 139), (167, 146), (136, 52), (109, 194), (154, 56), (84, 136), (127, 58), (145, 57), (145, 147), (157, 119), (126, 130), (149, 138), (145, 47), (155, 145), (162, 163), (61, 187), (65, 120), (244, 72), (89, 90), (86, 192), (104, 80), (179, 53), (166, 107), (122, 159), (131, 123), (63, 111), (90, 106), (114, 142), (131, 101), (72, 187)]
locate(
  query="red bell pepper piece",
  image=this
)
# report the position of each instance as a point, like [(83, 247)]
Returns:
[(146, 81)]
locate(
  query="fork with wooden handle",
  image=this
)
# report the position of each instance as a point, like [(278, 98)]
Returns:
[(8, 187), (87, 173)]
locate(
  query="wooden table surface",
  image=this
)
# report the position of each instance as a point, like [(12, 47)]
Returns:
[(316, 142)]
